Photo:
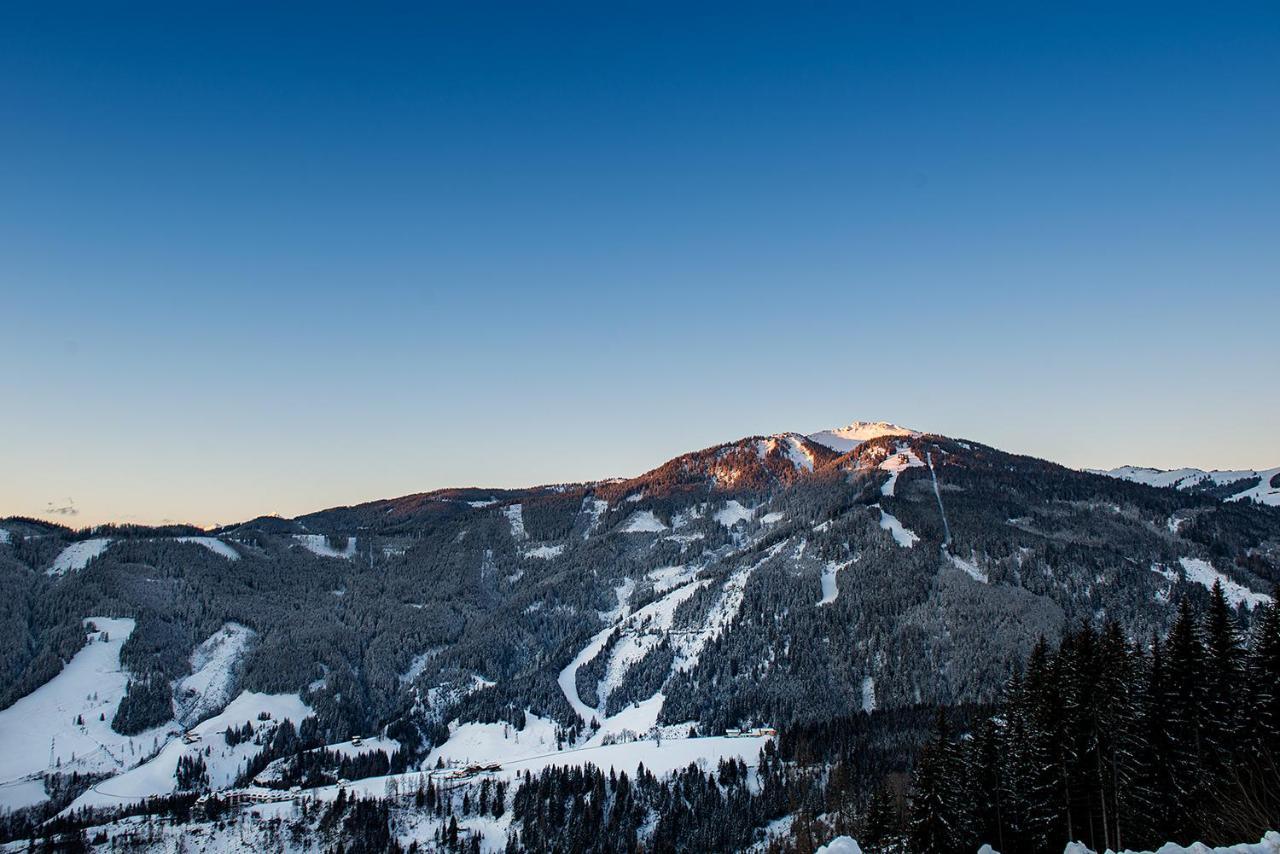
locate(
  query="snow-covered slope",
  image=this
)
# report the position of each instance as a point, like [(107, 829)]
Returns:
[(65, 724), (76, 556), (212, 681), (1266, 490), (214, 545), (224, 762), (318, 545), (845, 439)]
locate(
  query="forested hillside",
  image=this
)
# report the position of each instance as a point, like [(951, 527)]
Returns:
[(849, 587)]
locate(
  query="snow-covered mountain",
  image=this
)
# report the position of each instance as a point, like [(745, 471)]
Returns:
[(770, 581), (1261, 485), (845, 439)]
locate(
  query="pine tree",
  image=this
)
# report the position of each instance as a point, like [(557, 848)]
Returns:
[(1185, 697), (1224, 670)]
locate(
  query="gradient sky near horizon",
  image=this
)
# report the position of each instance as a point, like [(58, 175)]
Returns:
[(260, 258)]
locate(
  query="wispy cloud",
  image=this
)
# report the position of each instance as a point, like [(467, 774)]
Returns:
[(68, 509)]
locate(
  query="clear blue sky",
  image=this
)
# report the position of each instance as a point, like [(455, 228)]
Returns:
[(272, 259)]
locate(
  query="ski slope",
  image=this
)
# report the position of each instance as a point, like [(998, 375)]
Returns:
[(156, 776), (65, 724)]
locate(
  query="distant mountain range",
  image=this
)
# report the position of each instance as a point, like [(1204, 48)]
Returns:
[(1261, 485)]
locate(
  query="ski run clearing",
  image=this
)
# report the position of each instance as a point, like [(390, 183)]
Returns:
[(515, 518), (318, 544), (214, 545), (903, 458), (212, 680), (643, 522), (1202, 572), (65, 724), (641, 631), (829, 590), (902, 536), (76, 556), (968, 567), (733, 513)]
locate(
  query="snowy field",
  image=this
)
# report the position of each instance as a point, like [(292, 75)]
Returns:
[(76, 556), (156, 776), (318, 544), (65, 724)]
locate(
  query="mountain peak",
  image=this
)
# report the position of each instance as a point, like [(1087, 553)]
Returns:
[(845, 439)]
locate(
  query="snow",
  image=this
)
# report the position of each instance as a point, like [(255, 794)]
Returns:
[(156, 776), (419, 664), (318, 544), (666, 578), (488, 502), (1264, 492), (211, 683), (840, 845), (39, 732), (688, 647), (643, 630), (568, 678), (345, 749), (661, 758), (515, 516), (643, 522), (1202, 572), (829, 589), (4, 536), (800, 456), (495, 742), (792, 445), (845, 439), (772, 518), (732, 513), (544, 552), (594, 508), (1269, 844), (902, 458), (22, 793), (1188, 478), (902, 536), (868, 694), (214, 545), (969, 567), (76, 556)]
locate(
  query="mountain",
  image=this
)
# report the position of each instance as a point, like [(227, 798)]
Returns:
[(845, 439), (1261, 485), (772, 582)]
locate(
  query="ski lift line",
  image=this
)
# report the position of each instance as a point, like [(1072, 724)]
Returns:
[(946, 529)]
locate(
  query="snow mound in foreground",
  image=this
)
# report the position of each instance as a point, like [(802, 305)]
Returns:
[(840, 845), (1269, 844)]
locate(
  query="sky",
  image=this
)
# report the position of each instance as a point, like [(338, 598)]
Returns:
[(260, 258)]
